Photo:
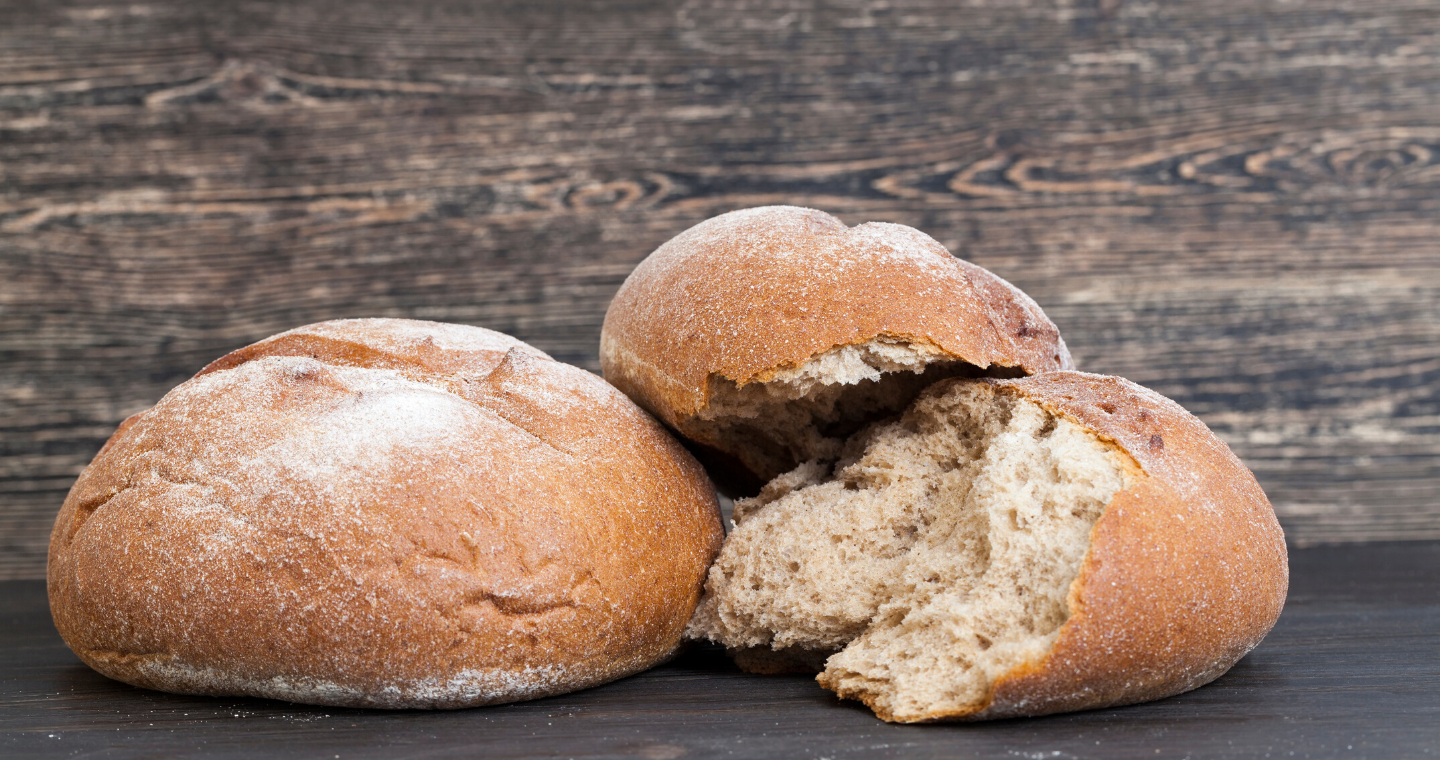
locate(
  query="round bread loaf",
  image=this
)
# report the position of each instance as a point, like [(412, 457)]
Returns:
[(765, 336), (1005, 548), (383, 513)]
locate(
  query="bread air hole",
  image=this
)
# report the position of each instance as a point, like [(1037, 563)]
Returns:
[(805, 413), (933, 556)]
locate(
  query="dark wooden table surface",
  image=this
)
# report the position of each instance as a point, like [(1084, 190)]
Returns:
[(1352, 670)]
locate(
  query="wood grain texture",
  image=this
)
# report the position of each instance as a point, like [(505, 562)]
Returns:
[(1352, 670), (1232, 202)]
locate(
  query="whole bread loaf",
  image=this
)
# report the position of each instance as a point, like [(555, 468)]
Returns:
[(383, 513)]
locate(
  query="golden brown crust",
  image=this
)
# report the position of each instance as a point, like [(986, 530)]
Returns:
[(1187, 569), (750, 292), (383, 513), (407, 345)]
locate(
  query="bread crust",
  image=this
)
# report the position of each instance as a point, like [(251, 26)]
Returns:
[(1187, 569), (751, 292), (383, 513)]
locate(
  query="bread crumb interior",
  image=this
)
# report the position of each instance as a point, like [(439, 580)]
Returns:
[(802, 413), (934, 555)]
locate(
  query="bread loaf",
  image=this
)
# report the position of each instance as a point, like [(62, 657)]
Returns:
[(1005, 548), (383, 513), (766, 336), (953, 524)]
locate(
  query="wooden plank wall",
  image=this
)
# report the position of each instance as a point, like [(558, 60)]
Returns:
[(1233, 202)]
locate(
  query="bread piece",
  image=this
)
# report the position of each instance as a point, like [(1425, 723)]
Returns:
[(766, 336), (1006, 548), (383, 513)]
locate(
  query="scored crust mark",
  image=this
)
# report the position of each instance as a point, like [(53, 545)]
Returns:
[(437, 354), (399, 344), (781, 314), (408, 534), (489, 369)]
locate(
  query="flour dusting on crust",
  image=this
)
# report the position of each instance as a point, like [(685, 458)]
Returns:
[(469, 688)]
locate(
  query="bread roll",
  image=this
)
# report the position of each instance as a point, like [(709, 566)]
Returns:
[(1006, 548), (383, 513), (766, 336)]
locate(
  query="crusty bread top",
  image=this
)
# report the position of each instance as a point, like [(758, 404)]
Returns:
[(410, 345), (383, 513), (1187, 569), (752, 292)]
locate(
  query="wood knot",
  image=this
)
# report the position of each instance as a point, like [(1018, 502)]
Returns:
[(253, 84), (619, 194)]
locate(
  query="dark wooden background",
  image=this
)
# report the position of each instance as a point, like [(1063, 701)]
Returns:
[(1234, 202)]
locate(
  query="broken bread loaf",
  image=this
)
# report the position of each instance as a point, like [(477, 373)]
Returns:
[(767, 336), (1005, 548), (945, 520), (383, 513)]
